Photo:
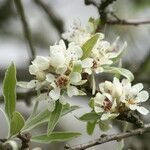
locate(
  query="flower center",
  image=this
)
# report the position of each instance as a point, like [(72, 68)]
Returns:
[(107, 104), (94, 64), (131, 101), (62, 81)]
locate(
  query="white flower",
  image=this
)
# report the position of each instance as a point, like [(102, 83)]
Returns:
[(57, 57), (114, 88), (73, 52), (105, 104), (133, 96), (77, 33), (103, 53), (39, 65), (61, 57), (63, 82)]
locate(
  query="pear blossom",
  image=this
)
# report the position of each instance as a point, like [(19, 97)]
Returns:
[(38, 67), (116, 97), (105, 104), (114, 88), (133, 96), (102, 55), (77, 33), (63, 82)]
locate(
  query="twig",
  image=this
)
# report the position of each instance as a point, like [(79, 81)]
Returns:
[(25, 25), (55, 20), (102, 11), (25, 138), (127, 22), (113, 137)]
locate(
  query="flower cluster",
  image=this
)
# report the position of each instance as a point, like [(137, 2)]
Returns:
[(116, 97), (61, 72), (102, 53)]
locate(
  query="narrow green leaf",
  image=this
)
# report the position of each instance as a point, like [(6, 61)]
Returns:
[(54, 117), (43, 117), (88, 46), (89, 117), (9, 87), (55, 137), (16, 123), (124, 72), (104, 125), (68, 109), (90, 127), (77, 67)]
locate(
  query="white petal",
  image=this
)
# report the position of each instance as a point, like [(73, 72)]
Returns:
[(33, 69), (50, 77), (22, 84), (41, 62), (105, 116), (62, 43), (32, 84), (61, 70), (57, 59), (98, 109), (87, 63), (55, 93), (75, 77), (142, 96), (87, 70), (133, 107), (142, 110), (99, 99), (137, 87), (108, 96), (72, 90), (75, 50)]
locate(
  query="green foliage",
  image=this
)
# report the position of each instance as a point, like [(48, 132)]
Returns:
[(54, 117), (43, 117), (104, 125), (77, 68), (16, 124), (92, 116), (55, 137), (67, 109), (9, 91), (90, 127), (124, 72), (88, 46), (16, 121)]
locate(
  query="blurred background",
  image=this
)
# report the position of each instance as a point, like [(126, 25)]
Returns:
[(46, 25)]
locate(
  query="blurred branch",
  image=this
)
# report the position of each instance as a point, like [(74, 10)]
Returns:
[(143, 66), (113, 137), (25, 139), (127, 22), (55, 20), (104, 19), (23, 96), (25, 25), (101, 9)]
